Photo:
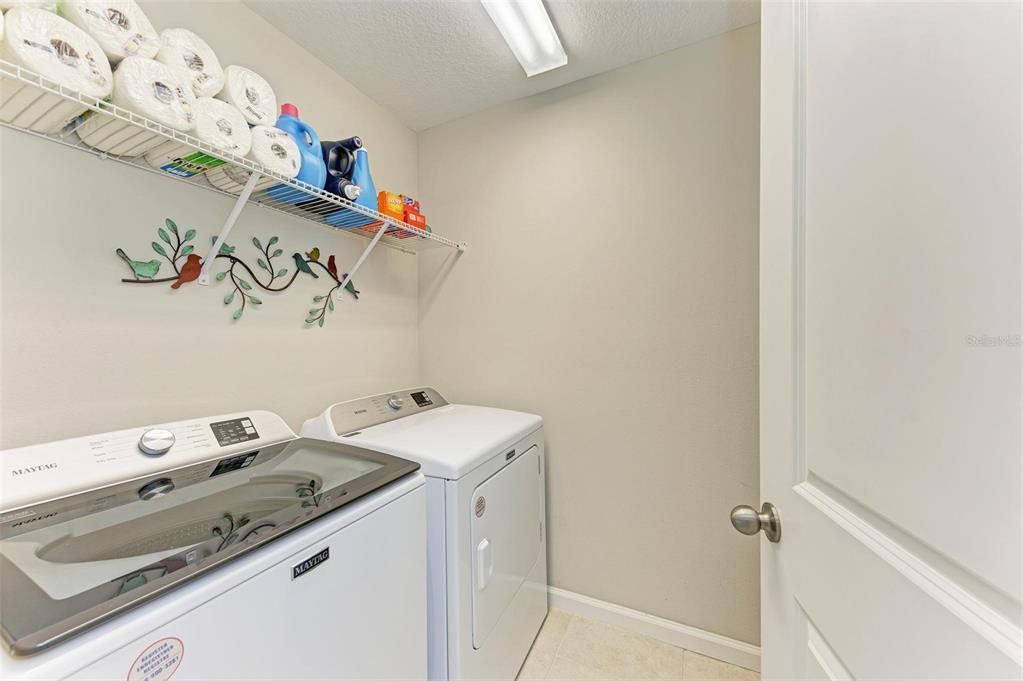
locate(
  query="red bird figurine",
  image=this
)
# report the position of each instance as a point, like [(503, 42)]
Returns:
[(190, 270), (332, 267)]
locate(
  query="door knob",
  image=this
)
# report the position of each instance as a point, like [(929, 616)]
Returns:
[(747, 520)]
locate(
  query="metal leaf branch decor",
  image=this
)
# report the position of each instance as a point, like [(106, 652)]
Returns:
[(244, 280)]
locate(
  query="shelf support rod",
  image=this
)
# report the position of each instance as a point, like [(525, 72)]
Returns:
[(232, 217), (362, 258)]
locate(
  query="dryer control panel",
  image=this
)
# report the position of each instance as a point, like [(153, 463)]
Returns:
[(351, 417)]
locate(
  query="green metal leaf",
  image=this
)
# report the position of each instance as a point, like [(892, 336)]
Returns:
[(189, 235), (281, 273), (228, 298), (245, 285), (277, 253), (221, 276), (186, 250), (259, 261), (317, 299), (314, 311), (273, 240), (238, 313), (330, 303), (159, 249), (170, 225), (321, 321), (255, 301), (163, 235), (255, 242), (225, 248)]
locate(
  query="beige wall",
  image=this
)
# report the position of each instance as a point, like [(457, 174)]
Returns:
[(611, 287), (82, 352)]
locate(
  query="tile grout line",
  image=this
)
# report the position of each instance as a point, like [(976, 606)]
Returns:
[(557, 651)]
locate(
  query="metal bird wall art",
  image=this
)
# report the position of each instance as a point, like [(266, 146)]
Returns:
[(177, 250)]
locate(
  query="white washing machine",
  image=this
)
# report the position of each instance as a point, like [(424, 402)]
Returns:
[(487, 551), (216, 548)]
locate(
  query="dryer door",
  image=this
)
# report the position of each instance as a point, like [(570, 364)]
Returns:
[(506, 539)]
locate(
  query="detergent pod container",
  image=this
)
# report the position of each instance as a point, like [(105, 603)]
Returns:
[(312, 170)]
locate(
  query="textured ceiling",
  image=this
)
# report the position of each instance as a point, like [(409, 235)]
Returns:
[(431, 61)]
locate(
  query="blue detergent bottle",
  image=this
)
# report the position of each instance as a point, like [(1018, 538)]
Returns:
[(349, 219), (361, 176), (312, 171)]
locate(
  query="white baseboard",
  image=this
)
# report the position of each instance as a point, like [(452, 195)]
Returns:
[(698, 640)]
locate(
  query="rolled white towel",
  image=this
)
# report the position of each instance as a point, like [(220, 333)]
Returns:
[(150, 89), (250, 92), (119, 26), (217, 123), (192, 59), (60, 52), (273, 149)]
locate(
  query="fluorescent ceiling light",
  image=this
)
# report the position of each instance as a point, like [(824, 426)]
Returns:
[(527, 28)]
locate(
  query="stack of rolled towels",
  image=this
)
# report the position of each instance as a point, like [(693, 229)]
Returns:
[(172, 78), (60, 52)]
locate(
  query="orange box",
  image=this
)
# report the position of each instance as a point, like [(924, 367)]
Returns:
[(391, 205)]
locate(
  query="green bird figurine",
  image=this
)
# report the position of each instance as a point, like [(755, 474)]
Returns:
[(140, 269), (225, 248), (350, 287), (303, 266)]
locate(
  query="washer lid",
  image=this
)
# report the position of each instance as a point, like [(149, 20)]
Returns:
[(448, 441), (70, 562)]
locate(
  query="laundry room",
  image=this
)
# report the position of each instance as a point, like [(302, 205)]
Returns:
[(485, 339)]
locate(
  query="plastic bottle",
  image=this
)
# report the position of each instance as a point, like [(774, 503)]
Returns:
[(340, 163), (352, 143), (313, 171), (361, 176)]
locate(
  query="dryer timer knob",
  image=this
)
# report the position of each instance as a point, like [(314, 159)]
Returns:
[(156, 441), (395, 402)]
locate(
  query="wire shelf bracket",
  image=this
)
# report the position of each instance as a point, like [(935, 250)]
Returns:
[(232, 217)]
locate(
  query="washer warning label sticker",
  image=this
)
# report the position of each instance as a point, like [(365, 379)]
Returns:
[(159, 661)]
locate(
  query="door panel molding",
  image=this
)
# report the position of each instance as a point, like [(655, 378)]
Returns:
[(799, 10), (822, 657), (974, 613)]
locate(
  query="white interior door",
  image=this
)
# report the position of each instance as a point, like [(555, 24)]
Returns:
[(890, 346)]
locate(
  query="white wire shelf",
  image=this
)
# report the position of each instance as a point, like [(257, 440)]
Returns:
[(295, 198)]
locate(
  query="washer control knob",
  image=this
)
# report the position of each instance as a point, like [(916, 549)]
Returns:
[(156, 488), (395, 402), (156, 441)]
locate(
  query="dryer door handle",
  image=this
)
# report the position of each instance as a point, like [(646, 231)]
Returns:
[(484, 564)]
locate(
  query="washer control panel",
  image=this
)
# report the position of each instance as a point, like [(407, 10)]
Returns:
[(351, 417), (93, 464), (234, 431)]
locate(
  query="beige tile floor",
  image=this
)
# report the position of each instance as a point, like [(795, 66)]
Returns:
[(572, 648)]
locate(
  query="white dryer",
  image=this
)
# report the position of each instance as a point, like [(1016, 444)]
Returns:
[(215, 548), (485, 475)]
